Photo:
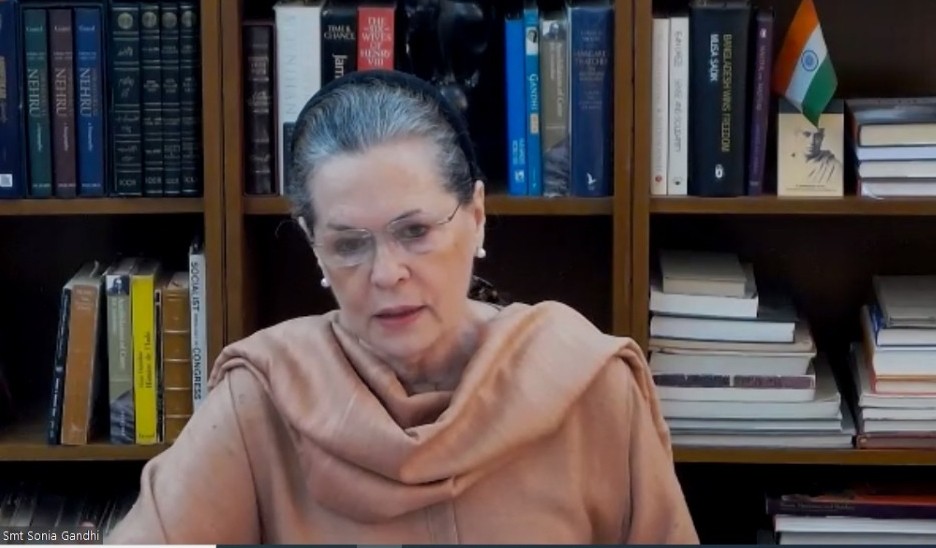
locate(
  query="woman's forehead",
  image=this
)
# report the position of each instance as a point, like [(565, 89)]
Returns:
[(381, 183)]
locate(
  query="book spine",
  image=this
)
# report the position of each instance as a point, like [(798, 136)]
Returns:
[(61, 46), (531, 48), (516, 106), (298, 74), (376, 37), (90, 112), (143, 319), (12, 159), (175, 335), (171, 99), (38, 117), (258, 115), (760, 101), (659, 106), (718, 87), (152, 99), (339, 40), (190, 98), (554, 84), (158, 366), (81, 371), (734, 381), (54, 428), (120, 360), (199, 324), (677, 171), (591, 97), (126, 114)]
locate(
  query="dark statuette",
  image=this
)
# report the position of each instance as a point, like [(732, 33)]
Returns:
[(446, 41)]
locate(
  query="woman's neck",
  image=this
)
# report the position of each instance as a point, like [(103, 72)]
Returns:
[(441, 367)]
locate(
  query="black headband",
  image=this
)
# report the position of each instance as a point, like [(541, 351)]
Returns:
[(409, 82)]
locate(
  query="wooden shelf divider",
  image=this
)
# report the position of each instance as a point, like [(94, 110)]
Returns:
[(856, 457), (497, 204), (100, 206), (773, 205)]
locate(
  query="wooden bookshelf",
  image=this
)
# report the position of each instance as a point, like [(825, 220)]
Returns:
[(822, 250), (46, 240), (271, 275)]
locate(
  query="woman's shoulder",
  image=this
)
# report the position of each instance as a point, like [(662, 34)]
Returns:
[(546, 319)]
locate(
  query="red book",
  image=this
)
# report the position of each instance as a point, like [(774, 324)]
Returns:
[(375, 36)]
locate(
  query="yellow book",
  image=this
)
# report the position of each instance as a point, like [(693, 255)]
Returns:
[(145, 386)]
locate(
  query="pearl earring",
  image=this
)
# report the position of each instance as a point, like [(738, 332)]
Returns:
[(480, 253), (324, 282)]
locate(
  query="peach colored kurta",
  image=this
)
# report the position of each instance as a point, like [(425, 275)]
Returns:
[(554, 435)]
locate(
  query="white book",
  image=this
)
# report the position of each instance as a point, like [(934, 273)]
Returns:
[(907, 301), (833, 424), (892, 189), (887, 426), (867, 397), (689, 272), (850, 524), (711, 306), (659, 105), (840, 538), (199, 322), (723, 329), (298, 70), (729, 364), (903, 368), (677, 174), (822, 406), (897, 413), (802, 343), (772, 440)]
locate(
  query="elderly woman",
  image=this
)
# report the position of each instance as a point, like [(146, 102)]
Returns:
[(412, 413)]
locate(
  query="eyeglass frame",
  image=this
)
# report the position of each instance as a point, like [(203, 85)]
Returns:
[(370, 234)]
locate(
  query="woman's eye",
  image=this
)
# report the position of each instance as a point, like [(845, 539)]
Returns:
[(413, 231)]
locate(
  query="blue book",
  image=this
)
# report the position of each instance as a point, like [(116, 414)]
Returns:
[(12, 137), (591, 98), (534, 163), (514, 61), (89, 103)]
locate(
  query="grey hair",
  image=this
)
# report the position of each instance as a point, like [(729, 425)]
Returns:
[(354, 118)]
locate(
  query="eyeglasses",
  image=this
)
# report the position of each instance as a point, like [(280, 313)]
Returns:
[(354, 246)]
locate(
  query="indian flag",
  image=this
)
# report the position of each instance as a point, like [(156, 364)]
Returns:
[(803, 72)]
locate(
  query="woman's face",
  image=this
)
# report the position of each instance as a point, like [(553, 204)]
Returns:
[(395, 246)]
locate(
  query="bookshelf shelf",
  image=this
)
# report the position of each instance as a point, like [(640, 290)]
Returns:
[(100, 206), (772, 205), (25, 441), (38, 451), (266, 205), (857, 457), (497, 204)]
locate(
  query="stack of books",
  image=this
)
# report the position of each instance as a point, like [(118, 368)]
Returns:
[(736, 367), (893, 141), (863, 515), (894, 365)]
